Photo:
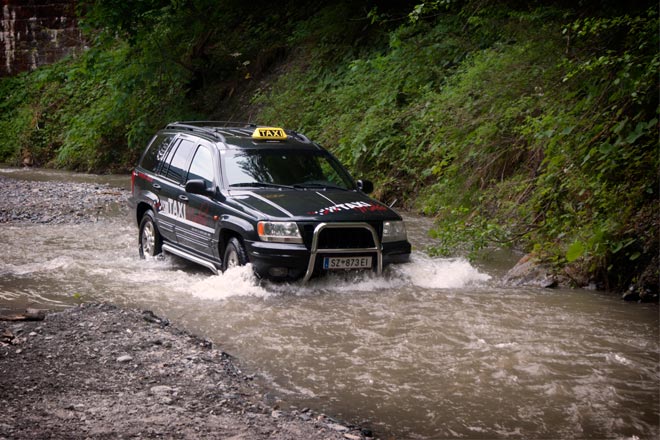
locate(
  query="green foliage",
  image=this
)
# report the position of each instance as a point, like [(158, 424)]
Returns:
[(81, 113), (17, 120)]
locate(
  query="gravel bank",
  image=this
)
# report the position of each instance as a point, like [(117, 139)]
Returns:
[(25, 201)]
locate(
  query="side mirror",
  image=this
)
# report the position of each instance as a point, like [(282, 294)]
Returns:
[(197, 186), (365, 186)]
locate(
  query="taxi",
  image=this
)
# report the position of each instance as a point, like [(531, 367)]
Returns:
[(225, 194)]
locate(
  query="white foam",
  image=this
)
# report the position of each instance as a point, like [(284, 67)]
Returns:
[(422, 271), (441, 273), (238, 281), (617, 358)]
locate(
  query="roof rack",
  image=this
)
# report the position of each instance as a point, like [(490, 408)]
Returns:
[(300, 136), (213, 128), (195, 128), (219, 124)]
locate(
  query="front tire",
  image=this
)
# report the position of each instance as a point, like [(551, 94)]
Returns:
[(235, 254), (150, 241)]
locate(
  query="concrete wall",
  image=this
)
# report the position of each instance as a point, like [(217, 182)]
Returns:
[(36, 32)]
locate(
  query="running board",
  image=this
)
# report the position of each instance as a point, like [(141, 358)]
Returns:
[(195, 259)]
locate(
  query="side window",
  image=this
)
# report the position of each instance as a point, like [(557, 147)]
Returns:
[(178, 161), (156, 152), (202, 166)]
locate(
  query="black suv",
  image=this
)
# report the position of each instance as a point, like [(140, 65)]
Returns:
[(222, 194)]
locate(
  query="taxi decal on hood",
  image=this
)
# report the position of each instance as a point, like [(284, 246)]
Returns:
[(348, 206)]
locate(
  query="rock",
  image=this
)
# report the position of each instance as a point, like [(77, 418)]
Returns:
[(529, 271), (29, 315), (164, 394), (125, 358), (149, 316), (7, 336), (366, 432), (337, 427), (639, 295), (161, 389), (630, 295)]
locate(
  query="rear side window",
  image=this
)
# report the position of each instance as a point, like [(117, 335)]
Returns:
[(155, 154), (178, 164)]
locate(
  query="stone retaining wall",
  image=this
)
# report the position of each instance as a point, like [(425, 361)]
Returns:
[(36, 32)]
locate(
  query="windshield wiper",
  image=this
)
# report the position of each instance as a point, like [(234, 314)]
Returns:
[(261, 185), (318, 185)]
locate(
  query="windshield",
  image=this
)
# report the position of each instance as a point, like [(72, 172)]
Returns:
[(279, 168)]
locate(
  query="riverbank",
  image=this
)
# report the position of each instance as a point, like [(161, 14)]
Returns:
[(98, 371)]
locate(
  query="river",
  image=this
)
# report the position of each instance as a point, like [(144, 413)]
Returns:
[(434, 349)]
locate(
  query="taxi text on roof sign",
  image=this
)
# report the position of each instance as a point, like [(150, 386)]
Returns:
[(269, 133)]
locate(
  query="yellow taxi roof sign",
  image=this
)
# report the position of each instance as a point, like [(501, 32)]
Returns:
[(269, 134)]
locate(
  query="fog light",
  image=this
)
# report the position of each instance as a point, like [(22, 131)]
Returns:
[(278, 271)]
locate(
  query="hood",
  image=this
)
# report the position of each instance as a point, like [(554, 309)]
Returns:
[(328, 205)]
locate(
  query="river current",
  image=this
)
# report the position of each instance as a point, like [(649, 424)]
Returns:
[(437, 348)]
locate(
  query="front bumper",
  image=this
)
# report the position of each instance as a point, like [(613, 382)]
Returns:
[(293, 261)]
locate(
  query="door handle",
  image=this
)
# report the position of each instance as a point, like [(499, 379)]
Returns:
[(183, 198), (156, 186)]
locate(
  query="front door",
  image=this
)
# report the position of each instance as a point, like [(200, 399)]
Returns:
[(197, 233)]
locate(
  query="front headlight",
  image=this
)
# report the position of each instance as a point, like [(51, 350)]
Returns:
[(394, 231), (282, 232)]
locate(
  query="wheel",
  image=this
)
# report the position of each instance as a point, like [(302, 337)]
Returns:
[(235, 254), (150, 242)]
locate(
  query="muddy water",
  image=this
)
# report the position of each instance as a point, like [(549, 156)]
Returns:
[(433, 349)]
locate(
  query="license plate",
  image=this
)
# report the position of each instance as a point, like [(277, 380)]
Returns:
[(333, 263)]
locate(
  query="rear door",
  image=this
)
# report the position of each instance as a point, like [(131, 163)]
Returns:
[(147, 182), (173, 200)]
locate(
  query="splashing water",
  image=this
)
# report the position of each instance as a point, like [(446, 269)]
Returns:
[(421, 272), (238, 281)]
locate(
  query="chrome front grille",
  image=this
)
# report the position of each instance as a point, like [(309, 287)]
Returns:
[(342, 238)]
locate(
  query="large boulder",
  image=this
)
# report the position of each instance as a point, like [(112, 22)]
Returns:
[(530, 271)]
